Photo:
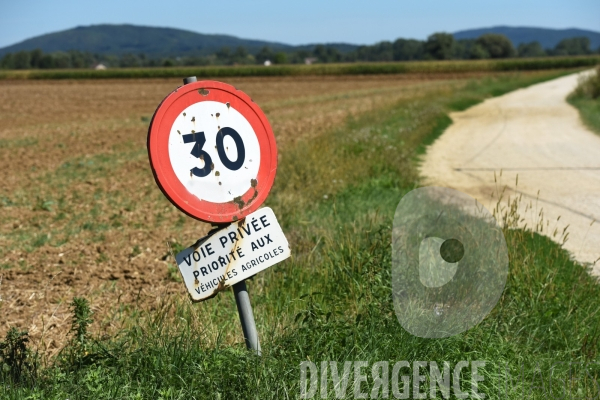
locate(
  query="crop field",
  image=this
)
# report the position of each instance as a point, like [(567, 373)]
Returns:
[(81, 216), (333, 69)]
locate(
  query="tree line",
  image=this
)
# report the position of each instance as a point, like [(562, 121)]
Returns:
[(439, 46)]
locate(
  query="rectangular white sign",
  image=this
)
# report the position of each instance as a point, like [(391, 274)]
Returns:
[(232, 254)]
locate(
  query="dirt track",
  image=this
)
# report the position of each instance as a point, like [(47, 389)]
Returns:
[(535, 135)]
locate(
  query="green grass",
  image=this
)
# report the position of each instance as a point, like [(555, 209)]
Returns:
[(589, 110), (453, 66), (586, 98), (335, 197)]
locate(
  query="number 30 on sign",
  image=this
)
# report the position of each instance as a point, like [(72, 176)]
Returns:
[(212, 151)]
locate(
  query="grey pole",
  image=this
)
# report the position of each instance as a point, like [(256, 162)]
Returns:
[(241, 295), (246, 316)]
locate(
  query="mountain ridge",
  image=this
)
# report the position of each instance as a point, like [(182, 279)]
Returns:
[(128, 38), (113, 39)]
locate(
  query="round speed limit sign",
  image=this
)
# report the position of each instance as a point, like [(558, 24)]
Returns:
[(212, 151)]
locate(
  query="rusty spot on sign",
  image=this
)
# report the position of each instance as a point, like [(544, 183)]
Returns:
[(203, 92), (217, 173), (178, 132), (253, 182), (193, 131), (190, 173), (235, 218), (212, 166), (184, 114), (218, 115), (219, 183), (238, 200), (201, 157), (253, 196), (228, 105), (230, 264)]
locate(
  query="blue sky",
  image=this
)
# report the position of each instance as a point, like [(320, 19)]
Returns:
[(297, 22)]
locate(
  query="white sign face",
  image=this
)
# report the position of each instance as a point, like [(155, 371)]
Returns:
[(214, 151), (232, 254)]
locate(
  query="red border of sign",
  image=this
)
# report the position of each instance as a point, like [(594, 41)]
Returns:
[(158, 151)]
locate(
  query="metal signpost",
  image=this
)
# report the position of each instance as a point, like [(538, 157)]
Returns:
[(213, 155)]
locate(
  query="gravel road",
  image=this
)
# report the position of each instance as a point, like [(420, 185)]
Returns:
[(534, 135)]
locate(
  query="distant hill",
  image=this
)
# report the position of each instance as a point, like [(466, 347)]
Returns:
[(121, 39), (155, 42), (548, 38)]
